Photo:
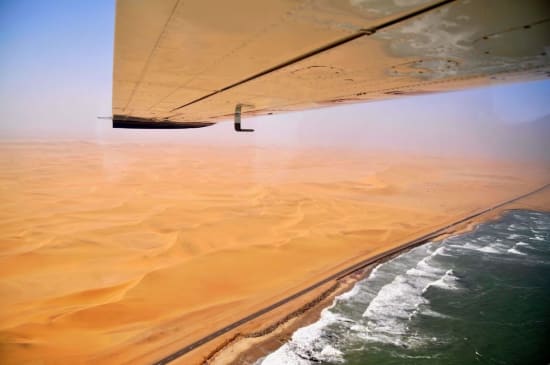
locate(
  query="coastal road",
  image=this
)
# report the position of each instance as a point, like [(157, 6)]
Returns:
[(337, 276)]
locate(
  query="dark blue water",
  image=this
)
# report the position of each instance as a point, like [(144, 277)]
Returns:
[(478, 298)]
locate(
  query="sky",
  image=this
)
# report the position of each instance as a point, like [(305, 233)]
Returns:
[(56, 79)]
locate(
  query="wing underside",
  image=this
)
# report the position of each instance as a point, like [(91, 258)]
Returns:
[(187, 64)]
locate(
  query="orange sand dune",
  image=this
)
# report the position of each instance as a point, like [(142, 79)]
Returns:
[(120, 253)]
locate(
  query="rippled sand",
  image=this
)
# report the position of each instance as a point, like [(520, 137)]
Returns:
[(121, 253)]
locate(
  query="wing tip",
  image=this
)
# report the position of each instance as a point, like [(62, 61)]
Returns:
[(129, 122)]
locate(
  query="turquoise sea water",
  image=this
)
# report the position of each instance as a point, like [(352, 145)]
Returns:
[(478, 298)]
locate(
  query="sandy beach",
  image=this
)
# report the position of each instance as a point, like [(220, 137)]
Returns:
[(113, 254)]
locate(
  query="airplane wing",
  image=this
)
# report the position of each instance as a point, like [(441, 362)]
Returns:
[(188, 64)]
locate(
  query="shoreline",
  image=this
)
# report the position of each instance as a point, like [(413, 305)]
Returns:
[(248, 348)]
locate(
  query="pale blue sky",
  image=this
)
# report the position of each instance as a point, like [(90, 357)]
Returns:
[(55, 79)]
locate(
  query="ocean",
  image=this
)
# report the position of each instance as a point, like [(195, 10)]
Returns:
[(482, 297)]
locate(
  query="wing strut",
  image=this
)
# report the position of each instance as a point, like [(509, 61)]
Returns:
[(238, 118)]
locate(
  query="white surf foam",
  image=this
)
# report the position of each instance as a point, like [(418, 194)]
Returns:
[(516, 252), (517, 227), (330, 352), (448, 281), (470, 246), (349, 294), (432, 313), (307, 343), (284, 355), (388, 314), (488, 249), (441, 251), (374, 271)]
